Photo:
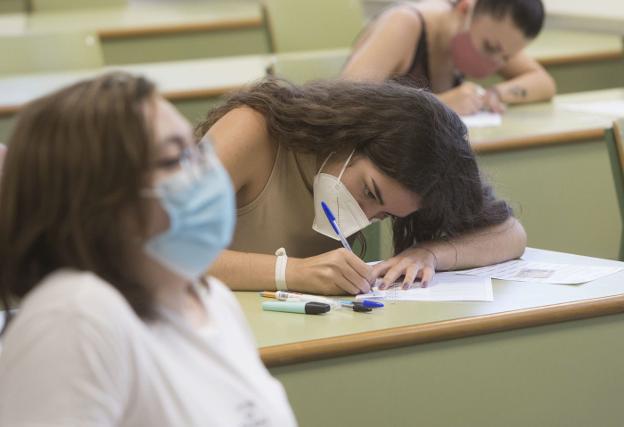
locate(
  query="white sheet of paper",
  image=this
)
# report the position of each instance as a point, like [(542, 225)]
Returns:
[(443, 287), (482, 119), (609, 108), (542, 272)]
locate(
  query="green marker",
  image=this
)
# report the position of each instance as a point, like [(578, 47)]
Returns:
[(303, 307)]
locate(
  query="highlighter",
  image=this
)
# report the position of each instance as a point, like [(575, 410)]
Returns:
[(303, 307)]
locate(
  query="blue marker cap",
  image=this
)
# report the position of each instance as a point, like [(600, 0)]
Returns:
[(330, 217), (371, 304)]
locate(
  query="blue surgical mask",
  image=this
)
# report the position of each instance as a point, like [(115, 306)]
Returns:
[(199, 200)]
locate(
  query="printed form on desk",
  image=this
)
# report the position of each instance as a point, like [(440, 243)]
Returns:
[(443, 287), (520, 270)]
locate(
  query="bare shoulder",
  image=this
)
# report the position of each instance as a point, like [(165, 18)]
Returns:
[(386, 46), (402, 19), (243, 145)]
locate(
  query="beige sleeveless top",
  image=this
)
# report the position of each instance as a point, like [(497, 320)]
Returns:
[(282, 215)]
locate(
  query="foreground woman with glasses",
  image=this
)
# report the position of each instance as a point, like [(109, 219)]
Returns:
[(110, 214)]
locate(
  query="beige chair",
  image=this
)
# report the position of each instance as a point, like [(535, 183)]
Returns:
[(50, 52), (61, 5), (300, 67), (296, 25)]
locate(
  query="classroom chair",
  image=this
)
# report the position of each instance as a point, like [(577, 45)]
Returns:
[(616, 154), (33, 53), (61, 5), (301, 67), (296, 25)]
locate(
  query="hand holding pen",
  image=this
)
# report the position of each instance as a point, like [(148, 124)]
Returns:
[(336, 272)]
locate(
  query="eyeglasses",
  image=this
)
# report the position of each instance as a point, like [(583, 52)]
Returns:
[(195, 159)]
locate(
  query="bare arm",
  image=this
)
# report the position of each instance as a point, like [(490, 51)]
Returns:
[(387, 49), (526, 81), (490, 245)]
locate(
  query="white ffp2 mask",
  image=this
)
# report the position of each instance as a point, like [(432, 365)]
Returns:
[(349, 215)]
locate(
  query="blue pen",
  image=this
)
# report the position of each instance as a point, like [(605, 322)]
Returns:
[(365, 303), (332, 220)]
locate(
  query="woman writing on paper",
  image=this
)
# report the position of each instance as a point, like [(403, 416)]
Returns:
[(370, 151), (437, 44), (110, 215)]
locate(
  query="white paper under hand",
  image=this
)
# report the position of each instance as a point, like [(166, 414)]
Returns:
[(443, 287)]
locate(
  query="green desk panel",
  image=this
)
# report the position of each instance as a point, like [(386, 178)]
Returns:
[(563, 194), (568, 374), (185, 45)]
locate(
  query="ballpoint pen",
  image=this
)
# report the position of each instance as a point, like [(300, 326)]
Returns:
[(332, 220)]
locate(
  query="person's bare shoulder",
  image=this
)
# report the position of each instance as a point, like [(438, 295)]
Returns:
[(243, 145), (387, 47)]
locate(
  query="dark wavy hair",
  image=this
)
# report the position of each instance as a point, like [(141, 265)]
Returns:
[(406, 132), (76, 163)]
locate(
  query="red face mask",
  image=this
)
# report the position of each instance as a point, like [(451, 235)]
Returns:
[(468, 59)]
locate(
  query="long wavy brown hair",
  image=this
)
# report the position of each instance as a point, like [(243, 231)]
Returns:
[(406, 132), (76, 163)]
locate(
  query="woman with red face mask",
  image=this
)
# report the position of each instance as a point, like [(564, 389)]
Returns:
[(439, 44)]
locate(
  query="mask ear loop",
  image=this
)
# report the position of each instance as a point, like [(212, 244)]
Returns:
[(325, 162), (344, 167)]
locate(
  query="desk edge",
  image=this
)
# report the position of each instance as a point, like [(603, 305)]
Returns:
[(179, 95), (384, 339), (508, 144), (585, 58), (156, 30)]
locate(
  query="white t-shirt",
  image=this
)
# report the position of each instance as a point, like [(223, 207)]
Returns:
[(77, 355)]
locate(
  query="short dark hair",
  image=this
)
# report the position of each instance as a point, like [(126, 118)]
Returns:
[(528, 15)]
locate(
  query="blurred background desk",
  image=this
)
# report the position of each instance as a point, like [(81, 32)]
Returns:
[(193, 85)]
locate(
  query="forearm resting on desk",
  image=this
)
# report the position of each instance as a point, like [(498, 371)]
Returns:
[(534, 86), (489, 245)]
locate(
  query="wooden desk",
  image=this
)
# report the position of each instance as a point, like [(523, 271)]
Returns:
[(510, 362), (165, 32), (603, 16), (553, 166), (193, 86)]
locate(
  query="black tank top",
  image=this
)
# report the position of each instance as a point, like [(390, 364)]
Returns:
[(418, 72)]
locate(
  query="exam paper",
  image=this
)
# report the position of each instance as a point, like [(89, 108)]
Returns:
[(609, 108), (542, 272), (443, 287), (482, 119)]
